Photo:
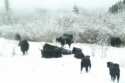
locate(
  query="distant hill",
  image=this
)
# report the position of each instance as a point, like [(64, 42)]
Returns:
[(117, 7)]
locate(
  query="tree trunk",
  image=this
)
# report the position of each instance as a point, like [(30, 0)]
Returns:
[(7, 8)]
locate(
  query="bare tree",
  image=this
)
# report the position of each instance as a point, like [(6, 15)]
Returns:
[(7, 6), (7, 12), (124, 1)]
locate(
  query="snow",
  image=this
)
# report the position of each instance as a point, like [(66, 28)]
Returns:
[(15, 68)]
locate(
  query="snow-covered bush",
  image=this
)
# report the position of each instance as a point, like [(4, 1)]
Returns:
[(88, 36), (86, 28)]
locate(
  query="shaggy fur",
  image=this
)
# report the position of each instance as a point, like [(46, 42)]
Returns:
[(50, 51), (115, 41), (65, 39), (24, 46), (114, 70), (85, 62), (77, 53)]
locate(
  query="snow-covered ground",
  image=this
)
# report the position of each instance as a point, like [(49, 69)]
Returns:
[(15, 68)]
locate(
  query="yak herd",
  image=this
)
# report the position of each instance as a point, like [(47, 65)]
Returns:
[(51, 51)]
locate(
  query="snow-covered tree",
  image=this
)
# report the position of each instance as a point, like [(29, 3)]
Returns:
[(8, 17), (114, 9), (75, 9), (124, 1), (7, 6)]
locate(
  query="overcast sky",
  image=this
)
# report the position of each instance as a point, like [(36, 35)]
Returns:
[(57, 4)]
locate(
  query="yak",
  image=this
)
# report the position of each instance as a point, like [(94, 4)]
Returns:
[(24, 46), (114, 70), (115, 41), (51, 51), (66, 51), (85, 62), (77, 53), (65, 39)]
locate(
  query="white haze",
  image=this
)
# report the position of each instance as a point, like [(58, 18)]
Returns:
[(30, 5)]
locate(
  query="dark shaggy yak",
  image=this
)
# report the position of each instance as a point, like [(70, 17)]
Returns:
[(85, 62), (24, 46), (114, 70), (65, 39), (115, 41), (77, 53), (50, 51), (66, 51)]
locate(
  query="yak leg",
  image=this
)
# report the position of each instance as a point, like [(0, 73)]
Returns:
[(118, 76), (86, 69), (81, 66)]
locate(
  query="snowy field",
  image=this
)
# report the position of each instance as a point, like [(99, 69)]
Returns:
[(15, 68)]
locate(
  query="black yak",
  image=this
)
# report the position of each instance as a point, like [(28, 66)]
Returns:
[(66, 51), (115, 41), (24, 46), (50, 51), (65, 39), (77, 53), (114, 70), (85, 62)]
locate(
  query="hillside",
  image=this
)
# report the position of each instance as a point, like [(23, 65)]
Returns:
[(118, 7)]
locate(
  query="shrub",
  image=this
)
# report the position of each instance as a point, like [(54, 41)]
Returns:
[(88, 36), (17, 36)]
